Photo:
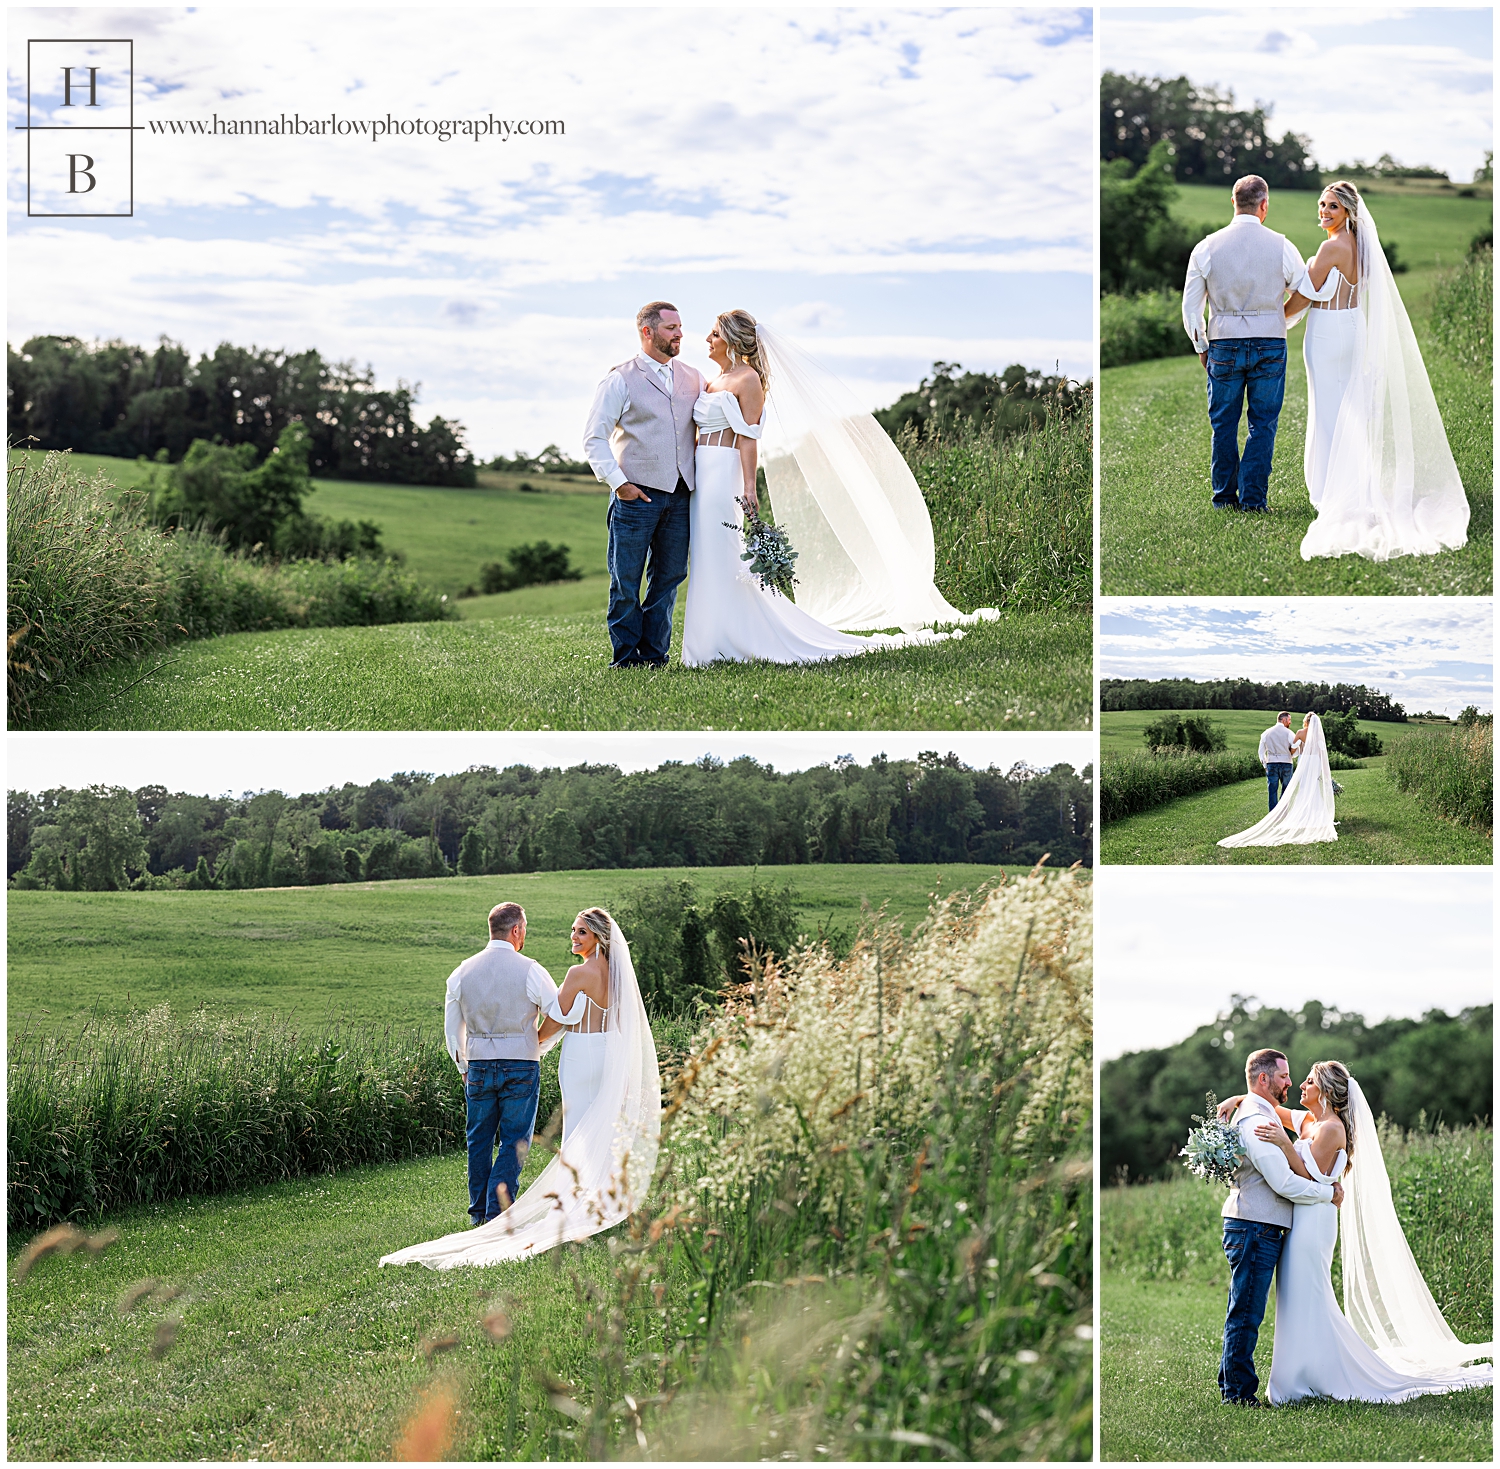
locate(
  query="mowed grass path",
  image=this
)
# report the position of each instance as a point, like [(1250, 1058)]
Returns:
[(1159, 1394), (1121, 731), (293, 1343), (361, 953), (1377, 825), (550, 670), (1158, 534)]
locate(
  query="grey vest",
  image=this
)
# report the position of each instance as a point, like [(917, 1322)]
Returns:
[(654, 441), (499, 1016), (1252, 1197), (1246, 283)]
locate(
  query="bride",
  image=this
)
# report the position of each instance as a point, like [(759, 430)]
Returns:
[(1305, 811), (1376, 460), (611, 1106), (1394, 1343), (838, 486)]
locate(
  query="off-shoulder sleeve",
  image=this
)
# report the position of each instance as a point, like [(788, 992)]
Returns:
[(575, 1015), (1304, 286), (731, 406)]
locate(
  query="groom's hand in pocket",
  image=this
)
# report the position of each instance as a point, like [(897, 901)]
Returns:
[(628, 491), (1203, 358)]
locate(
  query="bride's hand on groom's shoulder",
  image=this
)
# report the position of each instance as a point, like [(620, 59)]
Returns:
[(1273, 1132), (1226, 1108)]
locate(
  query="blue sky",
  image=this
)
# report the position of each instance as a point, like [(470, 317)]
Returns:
[(294, 763), (1182, 941), (889, 186), (1414, 82), (1427, 652)]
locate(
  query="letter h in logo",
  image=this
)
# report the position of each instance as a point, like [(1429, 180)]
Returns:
[(80, 129)]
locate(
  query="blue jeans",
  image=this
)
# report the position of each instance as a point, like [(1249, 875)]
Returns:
[(1253, 1250), (649, 540), (502, 1098), (1278, 778), (1249, 370)]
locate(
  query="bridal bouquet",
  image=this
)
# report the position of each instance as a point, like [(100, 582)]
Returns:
[(1214, 1149), (769, 552)]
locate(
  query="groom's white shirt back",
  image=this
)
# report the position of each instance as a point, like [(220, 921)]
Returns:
[(1276, 746), (494, 998), (1242, 272), (1267, 1187)]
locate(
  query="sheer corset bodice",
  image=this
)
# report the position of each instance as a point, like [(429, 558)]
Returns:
[(1344, 295), (721, 423), (584, 1017)]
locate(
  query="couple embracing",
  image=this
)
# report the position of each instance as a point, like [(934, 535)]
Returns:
[(1291, 1202), (1376, 460), (502, 1012), (680, 457)]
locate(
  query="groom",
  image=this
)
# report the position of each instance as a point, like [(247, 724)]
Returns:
[(1257, 1218), (1243, 272), (640, 441), (490, 1021), (1277, 753)]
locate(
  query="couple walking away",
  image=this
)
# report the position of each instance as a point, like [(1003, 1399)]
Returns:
[(1301, 799), (502, 1012), (1376, 459), (680, 457), (1288, 1205)]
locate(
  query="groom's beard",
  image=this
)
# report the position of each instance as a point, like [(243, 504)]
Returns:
[(669, 349)]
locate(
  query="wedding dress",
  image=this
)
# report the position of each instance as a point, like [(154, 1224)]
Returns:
[(1394, 1343), (729, 614), (1304, 813), (1377, 462), (611, 1097)]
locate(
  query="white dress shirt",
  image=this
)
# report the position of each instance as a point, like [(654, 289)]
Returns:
[(1200, 267), (1269, 1161), (1276, 745), (540, 990), (610, 402)]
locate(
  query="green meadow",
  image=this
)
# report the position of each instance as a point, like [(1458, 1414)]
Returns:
[(1121, 730)]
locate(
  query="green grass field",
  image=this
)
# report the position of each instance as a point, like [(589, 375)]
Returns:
[(1158, 534), (1121, 730), (362, 953), (1377, 825), (549, 669)]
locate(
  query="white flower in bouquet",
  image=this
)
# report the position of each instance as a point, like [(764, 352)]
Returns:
[(1214, 1149)]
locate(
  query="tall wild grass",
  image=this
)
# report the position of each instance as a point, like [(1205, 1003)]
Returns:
[(874, 1206), (1129, 784), (1141, 327), (1451, 773), (1463, 312), (1441, 1181), (89, 580), (1012, 515)]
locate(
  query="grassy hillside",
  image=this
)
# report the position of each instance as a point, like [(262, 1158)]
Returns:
[(362, 952), (1120, 730)]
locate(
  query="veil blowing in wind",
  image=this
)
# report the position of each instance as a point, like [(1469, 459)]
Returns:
[(850, 503), (605, 1164)]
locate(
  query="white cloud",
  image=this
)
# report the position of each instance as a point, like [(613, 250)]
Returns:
[(850, 171), (1415, 83), (1173, 948)]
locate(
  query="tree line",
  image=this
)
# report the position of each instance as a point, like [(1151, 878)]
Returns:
[(1243, 693), (1417, 1072), (484, 820), (123, 400)]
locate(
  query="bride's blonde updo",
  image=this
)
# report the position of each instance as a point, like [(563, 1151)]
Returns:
[(597, 921), (1348, 196), (738, 331), (1332, 1079)]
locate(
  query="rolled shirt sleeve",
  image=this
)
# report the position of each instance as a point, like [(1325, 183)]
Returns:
[(610, 400), (1270, 1162), (1195, 296), (454, 1030)]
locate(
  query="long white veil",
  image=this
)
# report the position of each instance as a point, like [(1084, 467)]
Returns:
[(1305, 811), (1392, 487), (1385, 1298), (602, 1172), (848, 501)]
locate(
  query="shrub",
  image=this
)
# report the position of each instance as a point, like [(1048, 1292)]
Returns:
[(1129, 784), (1185, 731), (1450, 772), (531, 565), (1012, 514), (1344, 736), (1463, 311), (1140, 328)]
